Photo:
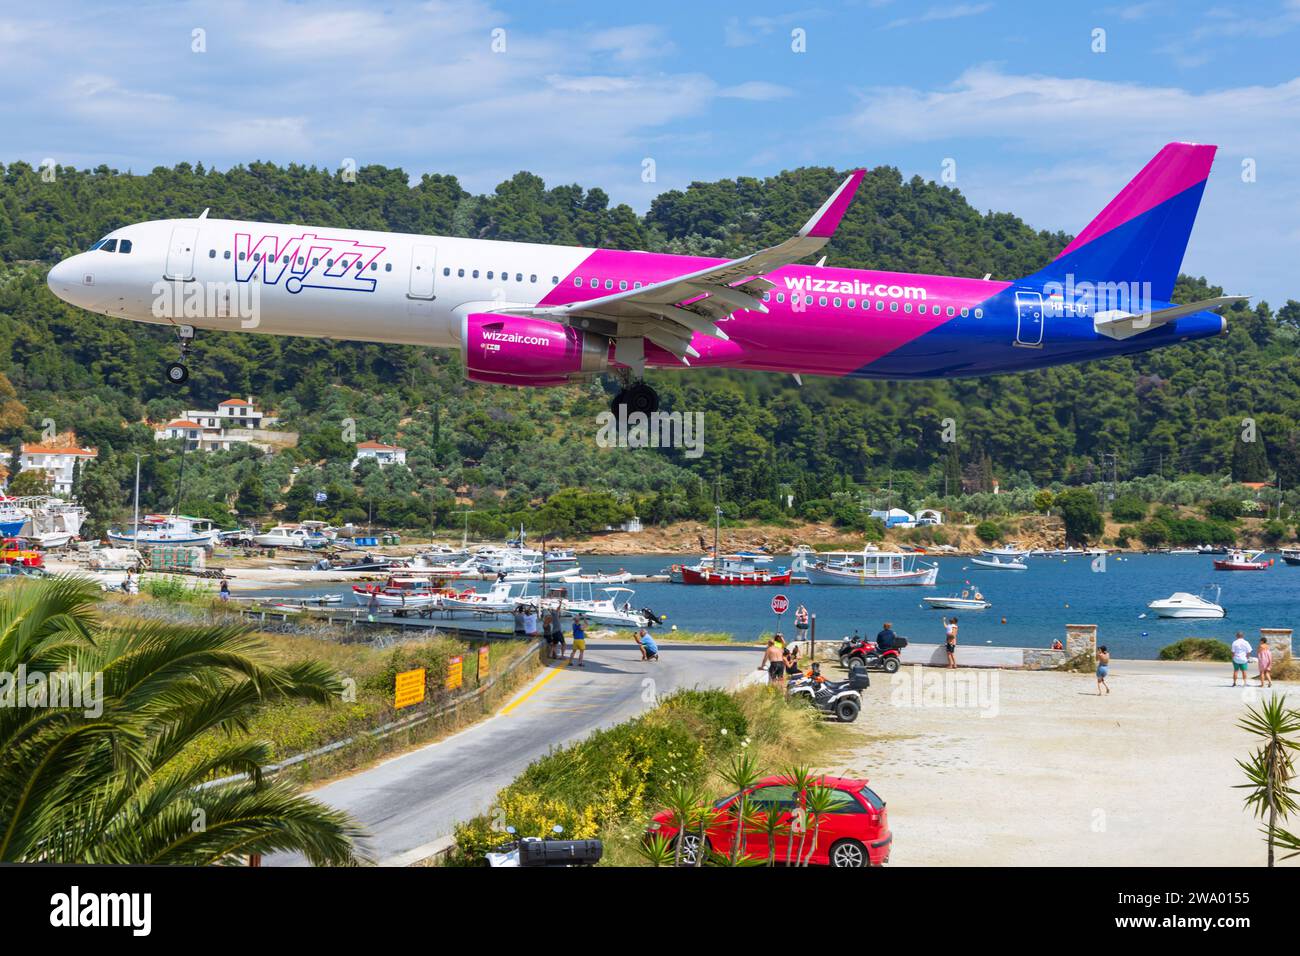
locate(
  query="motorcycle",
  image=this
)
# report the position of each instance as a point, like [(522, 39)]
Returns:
[(534, 851), (869, 656), (840, 699)]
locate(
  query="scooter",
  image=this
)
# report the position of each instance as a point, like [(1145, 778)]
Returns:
[(840, 699), (534, 851), (869, 655)]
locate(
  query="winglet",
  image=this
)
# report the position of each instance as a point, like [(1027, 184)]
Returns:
[(827, 219)]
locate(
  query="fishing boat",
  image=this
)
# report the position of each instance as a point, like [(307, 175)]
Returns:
[(1010, 552), (869, 568), (735, 569), (999, 564), (501, 597), (970, 599), (1239, 560), (401, 591), (1182, 604), (291, 536), (1291, 556), (168, 531), (51, 521), (12, 518)]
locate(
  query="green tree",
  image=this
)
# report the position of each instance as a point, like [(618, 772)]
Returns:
[(1082, 517)]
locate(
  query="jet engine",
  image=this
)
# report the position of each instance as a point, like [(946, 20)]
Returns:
[(512, 350)]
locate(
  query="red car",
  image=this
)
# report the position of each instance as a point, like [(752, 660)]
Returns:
[(856, 833)]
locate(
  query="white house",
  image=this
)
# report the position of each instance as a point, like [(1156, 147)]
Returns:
[(929, 516), (381, 453), (57, 462), (235, 421)]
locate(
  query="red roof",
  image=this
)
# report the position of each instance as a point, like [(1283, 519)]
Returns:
[(59, 450), (377, 446), (234, 401), (183, 423)]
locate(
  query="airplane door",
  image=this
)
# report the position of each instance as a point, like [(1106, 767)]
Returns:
[(1029, 319), (180, 254), (423, 260)]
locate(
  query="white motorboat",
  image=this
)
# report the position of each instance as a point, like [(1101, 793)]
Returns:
[(1000, 564), (501, 597), (615, 610), (291, 536), (428, 563), (866, 568), (560, 556), (167, 530), (535, 573), (1182, 604), (970, 599), (622, 577), (1009, 552)]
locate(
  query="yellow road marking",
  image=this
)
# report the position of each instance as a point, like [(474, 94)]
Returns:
[(530, 692)]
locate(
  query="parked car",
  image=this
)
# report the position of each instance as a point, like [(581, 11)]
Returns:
[(855, 834)]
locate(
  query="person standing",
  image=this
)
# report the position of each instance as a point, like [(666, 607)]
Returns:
[(372, 606), (950, 639), (530, 622), (519, 621), (579, 652), (801, 622), (774, 662), (225, 590), (548, 633), (1240, 659), (1265, 657), (1103, 668)]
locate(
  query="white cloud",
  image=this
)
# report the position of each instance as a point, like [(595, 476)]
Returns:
[(757, 90), (936, 14)]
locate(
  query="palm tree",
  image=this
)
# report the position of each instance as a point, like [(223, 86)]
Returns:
[(111, 776), (683, 805), (741, 774), (1269, 771), (819, 800), (799, 777)]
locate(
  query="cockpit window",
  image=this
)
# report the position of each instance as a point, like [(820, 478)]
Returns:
[(97, 245), (124, 245), (110, 245)]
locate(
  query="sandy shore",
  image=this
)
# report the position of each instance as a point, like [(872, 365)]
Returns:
[(1037, 770)]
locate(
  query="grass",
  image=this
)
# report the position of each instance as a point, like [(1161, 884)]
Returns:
[(1196, 649), (610, 784)]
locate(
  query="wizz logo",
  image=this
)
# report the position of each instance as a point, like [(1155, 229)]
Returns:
[(306, 262)]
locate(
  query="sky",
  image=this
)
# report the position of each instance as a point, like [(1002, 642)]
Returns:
[(1044, 111)]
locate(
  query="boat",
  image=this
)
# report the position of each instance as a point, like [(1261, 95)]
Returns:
[(1291, 556), (615, 609), (1239, 560), (535, 573), (12, 518), (560, 556), (51, 521), (369, 562), (401, 591), (970, 599), (622, 577), (1011, 552), (733, 569), (1182, 551), (869, 568), (167, 531), (997, 564), (1182, 604), (291, 536), (501, 597)]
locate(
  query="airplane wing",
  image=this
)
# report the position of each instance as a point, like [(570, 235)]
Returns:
[(670, 312), (1119, 324)]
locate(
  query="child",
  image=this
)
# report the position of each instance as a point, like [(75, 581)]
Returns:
[(1103, 668)]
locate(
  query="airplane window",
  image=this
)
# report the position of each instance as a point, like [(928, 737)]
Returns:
[(767, 296), (226, 254), (302, 260), (374, 267), (96, 245), (595, 283), (212, 253), (388, 267), (609, 283), (622, 286), (636, 285), (519, 277), (577, 280), (893, 307), (532, 278), (807, 300), (315, 260), (446, 272), (460, 273), (329, 263), (286, 260), (907, 307), (837, 303), (821, 300), (965, 312), (951, 311), (257, 257), (124, 245), (852, 304), (979, 313), (242, 255), (780, 297), (110, 246), (880, 305), (555, 280), (474, 274)]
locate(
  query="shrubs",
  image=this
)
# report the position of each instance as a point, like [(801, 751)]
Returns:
[(1196, 649), (1128, 508), (988, 531)]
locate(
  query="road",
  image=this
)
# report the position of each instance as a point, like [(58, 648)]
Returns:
[(408, 802)]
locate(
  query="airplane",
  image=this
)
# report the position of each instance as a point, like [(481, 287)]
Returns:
[(536, 315)]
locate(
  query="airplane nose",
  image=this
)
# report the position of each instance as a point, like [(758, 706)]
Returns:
[(60, 278)]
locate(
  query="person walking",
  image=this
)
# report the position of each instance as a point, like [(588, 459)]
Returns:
[(579, 652), (1240, 659), (1265, 658), (1103, 668), (774, 662), (950, 639)]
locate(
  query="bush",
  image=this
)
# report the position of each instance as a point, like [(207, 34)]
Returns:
[(1127, 508), (1196, 649), (988, 531), (1224, 509)]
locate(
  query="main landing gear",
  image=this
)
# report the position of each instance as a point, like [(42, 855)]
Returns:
[(177, 372), (635, 397)]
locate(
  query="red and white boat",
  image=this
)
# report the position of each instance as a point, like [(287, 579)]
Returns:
[(733, 569), (401, 591), (1241, 561)]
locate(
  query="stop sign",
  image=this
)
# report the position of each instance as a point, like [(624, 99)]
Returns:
[(780, 603)]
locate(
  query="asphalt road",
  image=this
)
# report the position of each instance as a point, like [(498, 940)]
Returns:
[(408, 802)]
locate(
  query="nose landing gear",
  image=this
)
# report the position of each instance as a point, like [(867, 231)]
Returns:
[(177, 372)]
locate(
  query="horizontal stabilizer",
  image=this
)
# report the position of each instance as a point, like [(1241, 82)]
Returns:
[(1118, 324)]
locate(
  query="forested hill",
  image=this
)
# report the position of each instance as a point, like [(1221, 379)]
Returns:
[(1178, 409)]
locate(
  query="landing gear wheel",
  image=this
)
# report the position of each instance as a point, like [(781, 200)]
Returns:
[(177, 373), (636, 398)]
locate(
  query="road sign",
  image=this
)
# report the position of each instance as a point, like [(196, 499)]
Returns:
[(408, 689), (455, 672), (780, 604), (484, 663)]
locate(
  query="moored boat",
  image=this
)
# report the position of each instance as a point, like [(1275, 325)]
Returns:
[(1239, 560), (1183, 604), (735, 569), (169, 530), (868, 568), (1000, 564), (970, 599), (1291, 556)]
